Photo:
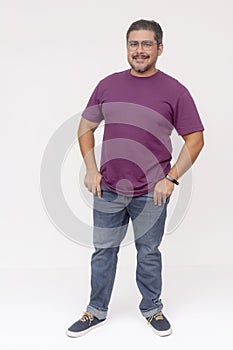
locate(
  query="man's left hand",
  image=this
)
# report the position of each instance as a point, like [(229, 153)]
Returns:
[(163, 189)]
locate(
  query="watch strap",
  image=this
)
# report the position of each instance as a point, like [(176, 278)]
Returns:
[(170, 178)]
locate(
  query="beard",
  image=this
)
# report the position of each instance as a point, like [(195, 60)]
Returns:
[(141, 69)]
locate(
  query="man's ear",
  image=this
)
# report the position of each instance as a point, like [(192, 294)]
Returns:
[(160, 49)]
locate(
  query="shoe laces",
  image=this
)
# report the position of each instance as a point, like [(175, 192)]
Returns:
[(87, 316), (157, 317)]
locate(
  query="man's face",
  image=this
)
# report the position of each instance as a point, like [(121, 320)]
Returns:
[(143, 59)]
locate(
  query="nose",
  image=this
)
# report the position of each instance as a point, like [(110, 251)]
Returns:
[(140, 46)]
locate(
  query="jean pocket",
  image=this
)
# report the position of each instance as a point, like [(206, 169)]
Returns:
[(149, 194), (106, 194)]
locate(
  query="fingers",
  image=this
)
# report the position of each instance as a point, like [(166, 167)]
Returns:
[(98, 181), (160, 198), (92, 182), (93, 189), (98, 188), (163, 189)]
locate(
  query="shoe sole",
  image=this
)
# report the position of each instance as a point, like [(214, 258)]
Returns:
[(80, 334), (162, 333)]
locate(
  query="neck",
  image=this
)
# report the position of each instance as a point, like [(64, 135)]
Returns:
[(144, 74)]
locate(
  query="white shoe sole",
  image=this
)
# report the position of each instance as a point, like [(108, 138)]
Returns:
[(80, 334), (162, 333)]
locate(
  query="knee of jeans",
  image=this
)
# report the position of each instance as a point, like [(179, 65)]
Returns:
[(109, 237), (103, 252), (148, 243)]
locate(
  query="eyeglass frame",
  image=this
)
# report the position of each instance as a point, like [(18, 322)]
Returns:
[(142, 44)]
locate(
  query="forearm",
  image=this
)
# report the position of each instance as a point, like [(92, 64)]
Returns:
[(86, 143), (187, 156)]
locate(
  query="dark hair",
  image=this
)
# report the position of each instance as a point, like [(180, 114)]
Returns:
[(143, 24)]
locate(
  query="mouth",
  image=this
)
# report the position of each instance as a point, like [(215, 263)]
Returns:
[(140, 58)]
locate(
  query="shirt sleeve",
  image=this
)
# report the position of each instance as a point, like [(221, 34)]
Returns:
[(186, 118), (93, 109)]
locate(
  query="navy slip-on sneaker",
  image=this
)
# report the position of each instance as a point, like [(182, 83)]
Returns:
[(160, 324), (86, 323)]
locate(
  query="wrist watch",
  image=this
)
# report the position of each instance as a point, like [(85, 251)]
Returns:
[(172, 179)]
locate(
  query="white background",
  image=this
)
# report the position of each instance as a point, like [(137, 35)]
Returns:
[(53, 53)]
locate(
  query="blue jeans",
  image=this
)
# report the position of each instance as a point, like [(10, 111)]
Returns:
[(111, 214)]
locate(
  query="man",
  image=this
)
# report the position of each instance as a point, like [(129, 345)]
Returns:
[(140, 107)]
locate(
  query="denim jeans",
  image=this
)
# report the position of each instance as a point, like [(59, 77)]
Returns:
[(111, 214)]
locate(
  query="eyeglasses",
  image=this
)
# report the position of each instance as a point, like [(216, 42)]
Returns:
[(145, 44)]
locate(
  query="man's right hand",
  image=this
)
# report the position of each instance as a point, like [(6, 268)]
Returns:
[(92, 181)]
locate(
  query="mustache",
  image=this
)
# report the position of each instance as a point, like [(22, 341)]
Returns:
[(140, 56)]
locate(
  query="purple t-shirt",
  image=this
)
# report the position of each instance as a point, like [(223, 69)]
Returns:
[(139, 114)]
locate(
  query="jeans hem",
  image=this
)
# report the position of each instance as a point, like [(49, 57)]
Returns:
[(151, 312), (100, 314)]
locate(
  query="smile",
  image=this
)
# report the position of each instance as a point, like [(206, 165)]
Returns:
[(140, 57)]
